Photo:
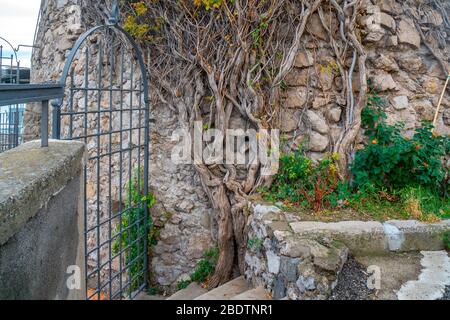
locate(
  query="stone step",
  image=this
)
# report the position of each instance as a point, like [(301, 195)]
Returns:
[(193, 291), (255, 294), (145, 296), (227, 291)]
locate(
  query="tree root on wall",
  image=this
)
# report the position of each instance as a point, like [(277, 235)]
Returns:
[(207, 65)]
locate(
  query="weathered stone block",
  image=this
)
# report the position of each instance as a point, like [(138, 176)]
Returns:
[(334, 115), (316, 28), (304, 59), (334, 259), (295, 98), (407, 33), (384, 62), (273, 262), (318, 142), (424, 109), (279, 289), (289, 120), (320, 102), (383, 81), (317, 122), (289, 268), (400, 102), (410, 62), (387, 21), (392, 41)]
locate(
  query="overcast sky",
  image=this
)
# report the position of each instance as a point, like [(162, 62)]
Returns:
[(17, 24)]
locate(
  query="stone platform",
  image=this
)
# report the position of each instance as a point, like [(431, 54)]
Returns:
[(302, 260)]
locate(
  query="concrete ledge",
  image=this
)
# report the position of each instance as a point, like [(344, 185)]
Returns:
[(361, 237), (30, 176), (378, 238)]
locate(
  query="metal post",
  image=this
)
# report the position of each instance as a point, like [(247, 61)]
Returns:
[(11, 70), (16, 126), (1, 63), (56, 119), (44, 124), (18, 73)]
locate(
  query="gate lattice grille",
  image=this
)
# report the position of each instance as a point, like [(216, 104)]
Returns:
[(106, 107)]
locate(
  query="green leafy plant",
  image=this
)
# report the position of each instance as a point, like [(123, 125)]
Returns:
[(410, 175), (303, 182), (255, 243), (393, 176), (203, 270), (183, 284), (258, 32), (205, 267), (155, 290), (130, 233), (390, 160)]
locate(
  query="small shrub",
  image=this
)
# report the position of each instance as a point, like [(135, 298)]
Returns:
[(203, 270), (392, 161), (300, 181), (153, 291), (183, 284), (129, 235), (255, 244), (393, 176), (205, 267)]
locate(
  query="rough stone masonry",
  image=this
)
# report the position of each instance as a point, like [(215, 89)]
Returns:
[(401, 70), (303, 260)]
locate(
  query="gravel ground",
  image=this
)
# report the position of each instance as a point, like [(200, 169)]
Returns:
[(352, 284)]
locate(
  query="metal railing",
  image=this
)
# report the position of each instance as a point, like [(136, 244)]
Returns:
[(43, 93), (11, 70), (11, 125), (11, 116)]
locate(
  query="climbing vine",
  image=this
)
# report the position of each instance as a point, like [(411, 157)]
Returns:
[(215, 58), (130, 233)]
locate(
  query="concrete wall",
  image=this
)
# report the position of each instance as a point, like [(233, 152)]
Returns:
[(41, 221)]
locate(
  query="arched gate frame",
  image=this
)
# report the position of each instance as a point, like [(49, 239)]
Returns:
[(106, 106)]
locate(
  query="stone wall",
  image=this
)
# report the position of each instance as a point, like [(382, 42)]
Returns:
[(400, 66), (287, 265), (41, 222), (302, 260), (182, 208), (59, 27)]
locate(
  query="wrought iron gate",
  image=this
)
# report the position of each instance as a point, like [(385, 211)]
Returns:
[(106, 106)]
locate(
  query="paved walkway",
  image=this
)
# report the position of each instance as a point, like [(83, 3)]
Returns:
[(411, 276), (432, 281)]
